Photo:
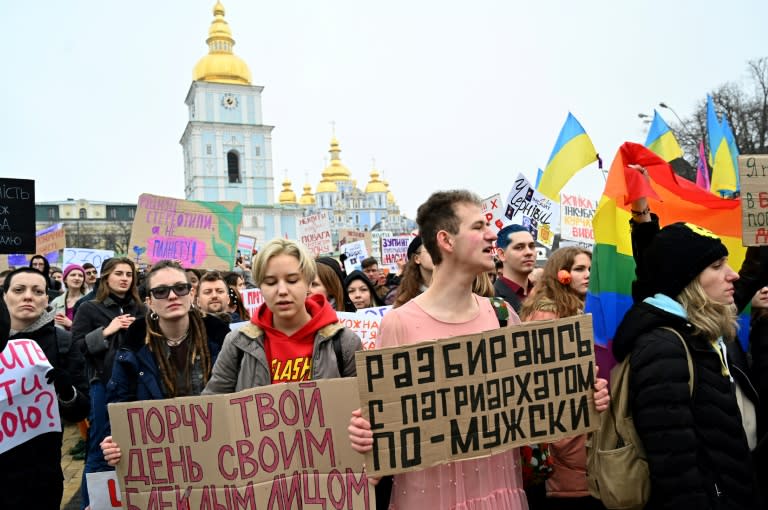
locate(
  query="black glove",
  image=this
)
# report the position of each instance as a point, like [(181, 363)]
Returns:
[(62, 382)]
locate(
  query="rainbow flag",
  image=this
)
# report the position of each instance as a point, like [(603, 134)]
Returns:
[(673, 199), (661, 139), (573, 151)]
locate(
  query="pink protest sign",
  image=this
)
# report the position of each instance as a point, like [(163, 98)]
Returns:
[(28, 405)]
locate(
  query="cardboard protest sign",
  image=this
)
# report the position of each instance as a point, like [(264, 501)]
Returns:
[(376, 236), (576, 214), (28, 405), (538, 214), (473, 396), (314, 232), (393, 249), (753, 176), (350, 236), (103, 490), (278, 446), (199, 234), (365, 323), (80, 256), (252, 299), (494, 214), (50, 239), (356, 252), (17, 216)]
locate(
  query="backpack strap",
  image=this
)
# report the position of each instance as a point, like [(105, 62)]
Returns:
[(687, 357), (502, 312)]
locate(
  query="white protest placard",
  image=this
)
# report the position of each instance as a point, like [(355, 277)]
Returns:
[(376, 236), (314, 232), (576, 213), (81, 256), (252, 299), (538, 214), (28, 405), (355, 253), (365, 323), (393, 249), (494, 213), (103, 490)]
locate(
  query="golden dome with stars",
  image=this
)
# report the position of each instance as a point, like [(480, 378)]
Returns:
[(221, 65)]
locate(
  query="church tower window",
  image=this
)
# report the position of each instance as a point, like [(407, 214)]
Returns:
[(233, 167)]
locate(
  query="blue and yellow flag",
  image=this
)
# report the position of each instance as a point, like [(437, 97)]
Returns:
[(573, 151), (661, 140)]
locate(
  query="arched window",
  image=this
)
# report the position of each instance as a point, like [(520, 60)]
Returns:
[(83, 213), (233, 167)]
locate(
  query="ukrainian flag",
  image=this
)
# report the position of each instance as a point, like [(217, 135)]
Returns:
[(721, 158), (661, 139), (573, 151)]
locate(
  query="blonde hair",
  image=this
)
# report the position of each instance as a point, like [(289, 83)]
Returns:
[(483, 286), (708, 318), (277, 247)]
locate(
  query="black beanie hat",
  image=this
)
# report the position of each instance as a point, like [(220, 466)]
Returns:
[(414, 246), (677, 255)]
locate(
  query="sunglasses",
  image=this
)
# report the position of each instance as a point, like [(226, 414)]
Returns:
[(163, 291)]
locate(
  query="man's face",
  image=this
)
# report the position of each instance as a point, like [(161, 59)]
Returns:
[(90, 276), (213, 296), (39, 264), (372, 272), (520, 255), (473, 244)]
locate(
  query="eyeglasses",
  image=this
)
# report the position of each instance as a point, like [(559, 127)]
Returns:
[(163, 291)]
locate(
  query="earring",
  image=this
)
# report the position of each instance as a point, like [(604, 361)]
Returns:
[(153, 315), (564, 277)]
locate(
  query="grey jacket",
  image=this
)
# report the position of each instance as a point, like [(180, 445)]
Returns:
[(242, 362)]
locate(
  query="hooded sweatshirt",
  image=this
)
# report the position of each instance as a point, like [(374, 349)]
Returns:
[(359, 275), (290, 357)]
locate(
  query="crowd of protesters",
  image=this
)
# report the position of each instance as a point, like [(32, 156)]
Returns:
[(166, 332)]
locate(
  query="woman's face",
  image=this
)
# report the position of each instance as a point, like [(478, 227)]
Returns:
[(193, 279), (760, 299), (57, 276), (317, 287), (717, 281), (174, 306), (285, 290), (75, 279), (240, 284), (120, 279), (424, 259), (582, 265), (359, 294), (26, 299)]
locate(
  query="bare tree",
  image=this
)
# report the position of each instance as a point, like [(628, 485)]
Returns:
[(746, 111)]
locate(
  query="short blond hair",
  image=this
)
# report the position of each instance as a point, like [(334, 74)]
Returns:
[(277, 247)]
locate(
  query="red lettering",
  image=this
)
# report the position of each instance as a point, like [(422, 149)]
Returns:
[(114, 495), (763, 199), (226, 450), (36, 385), (315, 404), (241, 401), (268, 418)]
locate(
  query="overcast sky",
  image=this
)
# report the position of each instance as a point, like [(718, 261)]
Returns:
[(443, 94)]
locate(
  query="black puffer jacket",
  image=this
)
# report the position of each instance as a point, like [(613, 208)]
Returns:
[(87, 332), (696, 447), (31, 472)]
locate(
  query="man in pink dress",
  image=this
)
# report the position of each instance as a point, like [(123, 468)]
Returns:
[(460, 242)]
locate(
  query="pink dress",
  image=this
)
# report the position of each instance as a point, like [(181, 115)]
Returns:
[(488, 483)]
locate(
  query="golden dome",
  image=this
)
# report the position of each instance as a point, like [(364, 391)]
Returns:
[(336, 171), (326, 186), (390, 196), (375, 185), (307, 198), (221, 65), (287, 196)]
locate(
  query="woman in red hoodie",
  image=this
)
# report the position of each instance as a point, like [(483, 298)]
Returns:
[(293, 336)]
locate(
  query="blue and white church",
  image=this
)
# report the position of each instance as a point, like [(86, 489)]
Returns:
[(228, 156)]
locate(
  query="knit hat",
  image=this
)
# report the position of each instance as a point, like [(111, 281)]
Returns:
[(414, 246), (72, 267), (505, 235), (677, 254)]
